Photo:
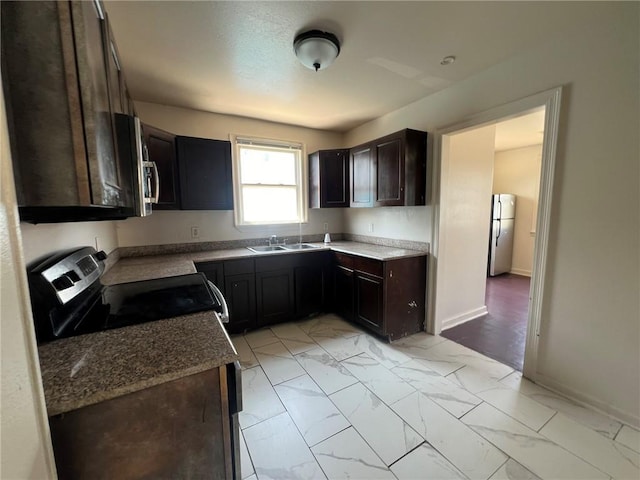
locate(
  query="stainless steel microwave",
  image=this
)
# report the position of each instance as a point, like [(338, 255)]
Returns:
[(146, 182)]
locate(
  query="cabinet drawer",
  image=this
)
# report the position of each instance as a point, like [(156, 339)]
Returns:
[(274, 262), (344, 260), (369, 265), (238, 267)]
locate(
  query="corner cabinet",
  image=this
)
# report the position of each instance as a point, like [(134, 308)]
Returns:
[(329, 179), (390, 171), (206, 181), (386, 297)]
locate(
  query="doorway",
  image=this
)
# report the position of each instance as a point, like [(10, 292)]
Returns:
[(515, 172), (457, 274)]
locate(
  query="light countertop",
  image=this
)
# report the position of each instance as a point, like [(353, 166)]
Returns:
[(154, 266)]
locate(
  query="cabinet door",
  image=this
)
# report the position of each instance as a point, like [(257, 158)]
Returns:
[(178, 429), (205, 174), (389, 172), (405, 299), (369, 301), (309, 289), (274, 295), (92, 61), (360, 166), (114, 73), (214, 273), (162, 150), (343, 294), (240, 293), (329, 179)]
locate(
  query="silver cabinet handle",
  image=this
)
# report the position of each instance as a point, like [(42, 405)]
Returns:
[(224, 317)]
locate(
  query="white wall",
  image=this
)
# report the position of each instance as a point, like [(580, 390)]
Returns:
[(403, 223), (25, 445), (43, 238), (590, 333), (175, 227), (517, 171), (467, 165), (167, 227)]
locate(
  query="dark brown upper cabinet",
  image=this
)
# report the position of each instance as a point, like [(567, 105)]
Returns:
[(390, 171), (360, 166), (329, 179), (62, 84), (206, 181), (162, 150)]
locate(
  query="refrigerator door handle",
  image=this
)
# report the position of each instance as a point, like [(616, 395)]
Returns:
[(499, 229), (500, 208)]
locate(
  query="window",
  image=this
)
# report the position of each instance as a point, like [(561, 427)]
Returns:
[(268, 182)]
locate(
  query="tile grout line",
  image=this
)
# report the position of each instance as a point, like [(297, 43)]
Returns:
[(412, 450), (545, 423), (505, 462), (392, 411)]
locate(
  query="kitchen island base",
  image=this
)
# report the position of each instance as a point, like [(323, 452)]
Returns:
[(178, 429)]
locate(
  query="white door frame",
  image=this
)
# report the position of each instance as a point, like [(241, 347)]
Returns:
[(550, 99)]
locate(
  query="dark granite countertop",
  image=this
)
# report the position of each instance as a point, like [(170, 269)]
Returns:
[(89, 369)]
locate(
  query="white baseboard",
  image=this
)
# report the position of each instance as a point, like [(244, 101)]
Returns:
[(587, 400), (518, 271), (464, 317)]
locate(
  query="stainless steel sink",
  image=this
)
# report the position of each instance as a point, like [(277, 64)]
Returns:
[(266, 248), (299, 246)]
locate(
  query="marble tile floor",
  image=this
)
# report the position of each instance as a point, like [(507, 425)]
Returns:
[(324, 399)]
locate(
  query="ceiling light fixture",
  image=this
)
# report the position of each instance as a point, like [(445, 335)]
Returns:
[(316, 49), (448, 60)]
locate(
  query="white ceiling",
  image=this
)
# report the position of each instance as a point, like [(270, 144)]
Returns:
[(237, 57), (518, 132)]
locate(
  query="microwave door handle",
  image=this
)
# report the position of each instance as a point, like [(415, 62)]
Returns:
[(156, 181), (224, 317), (156, 196)]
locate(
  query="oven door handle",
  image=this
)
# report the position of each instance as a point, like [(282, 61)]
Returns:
[(224, 316)]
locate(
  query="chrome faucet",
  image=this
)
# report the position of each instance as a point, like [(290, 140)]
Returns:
[(273, 240)]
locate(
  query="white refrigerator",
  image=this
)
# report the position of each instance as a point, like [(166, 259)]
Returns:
[(503, 208)]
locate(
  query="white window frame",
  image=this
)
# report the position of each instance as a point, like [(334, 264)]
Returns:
[(301, 177)]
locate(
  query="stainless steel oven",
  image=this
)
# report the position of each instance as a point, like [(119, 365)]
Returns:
[(68, 298)]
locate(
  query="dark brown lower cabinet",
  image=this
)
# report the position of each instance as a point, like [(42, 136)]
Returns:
[(343, 291), (240, 293), (214, 272), (387, 297), (179, 429), (309, 289), (236, 281), (369, 300), (274, 296)]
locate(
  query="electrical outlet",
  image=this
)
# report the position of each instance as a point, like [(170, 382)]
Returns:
[(326, 227), (371, 228), (195, 232)]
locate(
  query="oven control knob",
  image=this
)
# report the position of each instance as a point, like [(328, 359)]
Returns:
[(63, 282)]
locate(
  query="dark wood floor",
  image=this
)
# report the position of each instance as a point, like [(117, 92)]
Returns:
[(500, 334)]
